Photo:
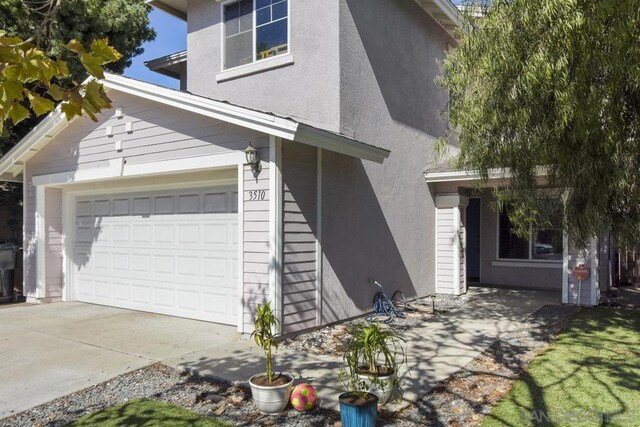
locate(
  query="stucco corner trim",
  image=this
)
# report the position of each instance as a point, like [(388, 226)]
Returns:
[(256, 67)]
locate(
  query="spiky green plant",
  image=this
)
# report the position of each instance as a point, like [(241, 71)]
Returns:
[(373, 351), (265, 322)]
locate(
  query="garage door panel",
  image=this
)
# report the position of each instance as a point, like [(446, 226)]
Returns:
[(171, 252)]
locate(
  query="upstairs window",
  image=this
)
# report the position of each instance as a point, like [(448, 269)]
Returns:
[(543, 244), (254, 30)]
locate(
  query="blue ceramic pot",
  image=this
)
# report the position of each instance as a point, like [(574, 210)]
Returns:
[(353, 415)]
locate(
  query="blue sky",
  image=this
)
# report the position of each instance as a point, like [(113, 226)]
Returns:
[(171, 37)]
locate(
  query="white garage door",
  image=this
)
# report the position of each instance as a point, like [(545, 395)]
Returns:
[(170, 252)]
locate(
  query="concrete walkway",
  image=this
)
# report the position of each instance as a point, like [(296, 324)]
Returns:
[(49, 351), (435, 350)]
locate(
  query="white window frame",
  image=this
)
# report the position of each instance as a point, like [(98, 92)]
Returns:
[(530, 258), (223, 39)]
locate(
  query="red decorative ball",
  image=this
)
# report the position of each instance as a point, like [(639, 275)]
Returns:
[(303, 397)]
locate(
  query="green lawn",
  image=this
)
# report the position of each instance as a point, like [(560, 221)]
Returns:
[(147, 413), (589, 377)]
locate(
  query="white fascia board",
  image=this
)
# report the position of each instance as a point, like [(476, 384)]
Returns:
[(119, 169), (168, 65), (339, 144), (167, 60), (243, 117), (455, 176), (444, 12), (40, 135), (449, 9), (449, 176)]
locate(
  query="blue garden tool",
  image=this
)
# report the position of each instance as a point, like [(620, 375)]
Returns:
[(393, 307)]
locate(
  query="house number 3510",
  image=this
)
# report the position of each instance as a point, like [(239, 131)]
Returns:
[(256, 195)]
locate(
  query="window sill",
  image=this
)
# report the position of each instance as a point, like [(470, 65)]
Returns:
[(257, 67), (526, 263)]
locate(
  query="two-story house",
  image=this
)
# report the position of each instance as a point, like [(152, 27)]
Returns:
[(162, 205)]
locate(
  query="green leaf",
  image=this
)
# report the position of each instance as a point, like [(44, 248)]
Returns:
[(55, 92), (40, 105), (92, 64), (102, 49), (18, 113), (12, 72), (75, 46), (12, 90), (71, 110), (63, 69)]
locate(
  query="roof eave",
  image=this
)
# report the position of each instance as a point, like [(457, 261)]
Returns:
[(444, 12), (12, 164), (160, 5), (166, 65), (340, 144), (466, 176)]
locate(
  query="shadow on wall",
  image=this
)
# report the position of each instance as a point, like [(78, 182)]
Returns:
[(404, 67), (356, 241)]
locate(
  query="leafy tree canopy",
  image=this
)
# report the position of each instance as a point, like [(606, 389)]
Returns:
[(553, 84), (50, 25), (56, 22), (29, 78)]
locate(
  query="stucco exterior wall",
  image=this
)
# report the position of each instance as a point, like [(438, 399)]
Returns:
[(379, 220), (535, 276), (307, 90)]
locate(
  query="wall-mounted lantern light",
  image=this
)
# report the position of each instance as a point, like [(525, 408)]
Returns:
[(252, 158)]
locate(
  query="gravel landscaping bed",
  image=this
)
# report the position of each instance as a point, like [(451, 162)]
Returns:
[(467, 396), (226, 401), (333, 340), (461, 400)]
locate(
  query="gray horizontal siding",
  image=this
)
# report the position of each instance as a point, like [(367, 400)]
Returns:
[(53, 242), (257, 260), (158, 133), (444, 250)]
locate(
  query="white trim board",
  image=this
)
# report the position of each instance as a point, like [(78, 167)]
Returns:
[(240, 306), (119, 169), (462, 175), (275, 229), (319, 293)]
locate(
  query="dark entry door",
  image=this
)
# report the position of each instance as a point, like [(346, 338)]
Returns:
[(473, 240)]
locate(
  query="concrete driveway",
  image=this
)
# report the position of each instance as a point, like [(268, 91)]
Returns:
[(48, 351)]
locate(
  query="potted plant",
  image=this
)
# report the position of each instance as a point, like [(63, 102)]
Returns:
[(372, 362), (358, 407), (270, 391)]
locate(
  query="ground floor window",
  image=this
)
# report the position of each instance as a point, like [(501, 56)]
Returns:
[(544, 244)]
